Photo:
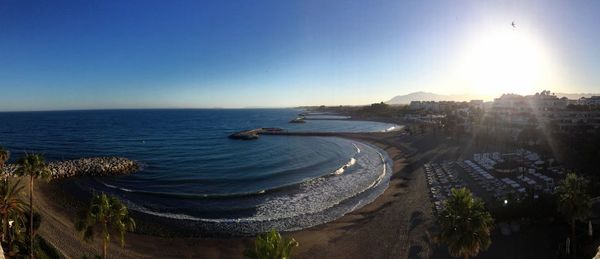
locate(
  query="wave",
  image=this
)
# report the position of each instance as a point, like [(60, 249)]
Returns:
[(135, 207), (313, 202), (278, 208), (322, 194), (393, 128), (350, 163), (357, 149), (188, 195), (116, 187), (346, 166), (339, 171)]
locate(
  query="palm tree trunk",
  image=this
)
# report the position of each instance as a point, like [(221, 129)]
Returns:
[(574, 250), (9, 237), (31, 216), (5, 216), (105, 239), (104, 248), (5, 235)]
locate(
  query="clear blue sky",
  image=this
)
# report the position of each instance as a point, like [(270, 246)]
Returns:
[(153, 54)]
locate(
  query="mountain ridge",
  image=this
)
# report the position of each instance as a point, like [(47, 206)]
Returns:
[(428, 96)]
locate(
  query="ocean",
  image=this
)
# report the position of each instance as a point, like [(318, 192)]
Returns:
[(192, 172)]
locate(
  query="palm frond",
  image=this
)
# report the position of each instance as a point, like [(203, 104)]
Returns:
[(108, 213), (465, 224)]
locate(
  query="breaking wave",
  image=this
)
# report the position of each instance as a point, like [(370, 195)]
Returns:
[(309, 203)]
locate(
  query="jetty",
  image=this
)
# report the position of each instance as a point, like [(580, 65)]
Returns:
[(92, 166), (298, 120), (254, 133), (328, 118)]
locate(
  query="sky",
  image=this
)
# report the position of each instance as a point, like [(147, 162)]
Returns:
[(57, 55)]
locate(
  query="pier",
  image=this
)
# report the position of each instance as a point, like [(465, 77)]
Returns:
[(255, 133)]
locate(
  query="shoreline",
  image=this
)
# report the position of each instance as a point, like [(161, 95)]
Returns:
[(74, 193), (58, 220)]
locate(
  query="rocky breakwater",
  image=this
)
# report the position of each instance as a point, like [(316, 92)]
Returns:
[(93, 166), (254, 133)]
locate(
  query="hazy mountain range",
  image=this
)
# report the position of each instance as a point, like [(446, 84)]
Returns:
[(425, 96)]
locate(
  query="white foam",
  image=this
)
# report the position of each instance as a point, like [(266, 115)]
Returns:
[(346, 166), (357, 149), (313, 196), (323, 193), (393, 128), (163, 214), (116, 187)]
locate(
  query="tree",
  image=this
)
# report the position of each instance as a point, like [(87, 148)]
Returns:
[(34, 166), (10, 205), (465, 224), (108, 214), (574, 202), (4, 156), (271, 245)]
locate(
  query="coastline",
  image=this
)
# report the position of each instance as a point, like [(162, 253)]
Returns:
[(366, 223)]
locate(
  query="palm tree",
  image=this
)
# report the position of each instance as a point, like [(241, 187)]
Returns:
[(34, 166), (10, 205), (107, 213), (271, 245), (574, 202), (4, 156), (465, 224)]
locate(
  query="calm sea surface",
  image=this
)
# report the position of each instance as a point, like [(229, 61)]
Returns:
[(192, 171)]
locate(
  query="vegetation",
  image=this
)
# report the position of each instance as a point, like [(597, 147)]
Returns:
[(574, 202), (108, 214), (45, 249), (376, 110), (34, 166), (11, 206), (4, 156), (271, 245), (16, 218), (465, 224)]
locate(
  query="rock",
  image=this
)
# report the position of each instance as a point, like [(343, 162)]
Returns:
[(93, 166)]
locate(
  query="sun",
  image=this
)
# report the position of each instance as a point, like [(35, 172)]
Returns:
[(505, 61)]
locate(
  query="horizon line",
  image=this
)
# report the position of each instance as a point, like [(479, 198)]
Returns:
[(153, 108)]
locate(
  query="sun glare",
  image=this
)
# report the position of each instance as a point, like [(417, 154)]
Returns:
[(505, 61)]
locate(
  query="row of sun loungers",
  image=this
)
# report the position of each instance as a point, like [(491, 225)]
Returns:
[(492, 185), (441, 178), (513, 184), (487, 160)]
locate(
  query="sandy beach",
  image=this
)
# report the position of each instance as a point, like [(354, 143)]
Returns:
[(395, 225)]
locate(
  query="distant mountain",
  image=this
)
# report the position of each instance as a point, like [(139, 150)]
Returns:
[(425, 96)]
